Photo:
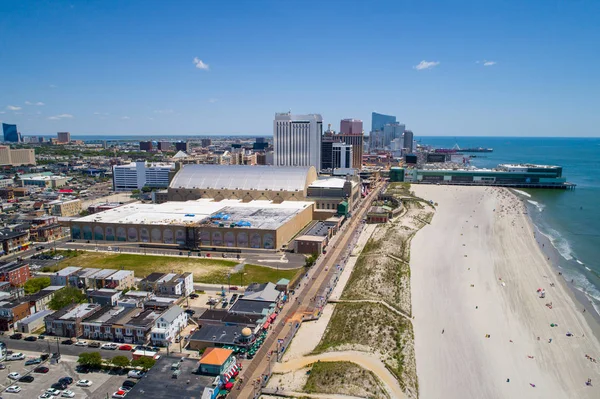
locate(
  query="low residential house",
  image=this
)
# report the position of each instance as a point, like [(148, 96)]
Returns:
[(83, 278), (135, 299), (168, 326), (62, 277), (67, 321), (160, 303), (99, 279), (15, 272), (149, 283), (120, 280), (104, 296), (175, 284), (39, 301), (12, 312), (138, 328), (45, 228), (32, 322), (14, 241), (107, 324)]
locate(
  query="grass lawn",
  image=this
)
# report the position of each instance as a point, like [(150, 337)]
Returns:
[(212, 271)]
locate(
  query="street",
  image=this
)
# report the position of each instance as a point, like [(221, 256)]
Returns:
[(42, 345), (301, 304)]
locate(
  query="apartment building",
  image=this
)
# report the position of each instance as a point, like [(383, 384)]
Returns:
[(66, 208), (67, 322), (15, 272), (168, 326)]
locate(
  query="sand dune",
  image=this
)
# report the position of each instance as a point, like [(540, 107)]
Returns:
[(475, 271)]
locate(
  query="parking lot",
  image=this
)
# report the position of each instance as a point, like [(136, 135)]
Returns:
[(103, 383)]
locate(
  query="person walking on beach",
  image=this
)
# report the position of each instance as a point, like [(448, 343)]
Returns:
[(442, 330)]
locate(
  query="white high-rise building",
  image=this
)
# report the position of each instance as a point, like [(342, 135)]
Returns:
[(342, 156), (297, 140), (136, 175)]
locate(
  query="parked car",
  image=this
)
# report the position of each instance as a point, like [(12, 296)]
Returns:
[(44, 356), (16, 336), (46, 395), (119, 394), (135, 374), (125, 389), (26, 378), (94, 345), (33, 361), (41, 336), (84, 383), (66, 380), (194, 296), (128, 383), (41, 369), (191, 312), (81, 343), (14, 376), (16, 356), (110, 347), (67, 342), (125, 347), (13, 389), (59, 386), (31, 338), (68, 394), (233, 298), (2, 366), (234, 288), (53, 391)]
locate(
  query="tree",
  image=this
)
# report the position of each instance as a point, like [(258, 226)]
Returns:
[(90, 359), (65, 297), (144, 362), (36, 284), (120, 361), (310, 260), (146, 189)]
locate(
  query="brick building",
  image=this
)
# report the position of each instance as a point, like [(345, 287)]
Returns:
[(15, 272)]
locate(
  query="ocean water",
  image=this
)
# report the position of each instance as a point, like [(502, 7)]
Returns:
[(569, 218)]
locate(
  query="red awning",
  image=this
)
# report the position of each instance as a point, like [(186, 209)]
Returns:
[(266, 325), (235, 374), (273, 316), (228, 386)]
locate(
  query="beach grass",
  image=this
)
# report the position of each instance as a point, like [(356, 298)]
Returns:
[(344, 378), (373, 326)]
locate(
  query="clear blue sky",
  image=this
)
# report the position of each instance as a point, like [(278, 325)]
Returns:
[(222, 67)]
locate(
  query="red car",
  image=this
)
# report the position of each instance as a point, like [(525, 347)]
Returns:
[(125, 347), (41, 369), (234, 288)]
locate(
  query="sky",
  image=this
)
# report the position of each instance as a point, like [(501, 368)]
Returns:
[(460, 68)]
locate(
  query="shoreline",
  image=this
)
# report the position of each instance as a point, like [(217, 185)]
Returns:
[(482, 329), (591, 315)]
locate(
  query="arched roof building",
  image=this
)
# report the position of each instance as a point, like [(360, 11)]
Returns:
[(275, 183)]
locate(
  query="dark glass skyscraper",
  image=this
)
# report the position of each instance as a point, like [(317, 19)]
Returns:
[(378, 121), (10, 133)]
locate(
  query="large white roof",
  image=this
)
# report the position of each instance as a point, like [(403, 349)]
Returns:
[(242, 177)]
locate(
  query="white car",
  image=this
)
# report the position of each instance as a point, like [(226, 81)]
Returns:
[(46, 396), (13, 389), (111, 347), (84, 383), (135, 374), (68, 394), (52, 391), (81, 343), (14, 376), (16, 356)]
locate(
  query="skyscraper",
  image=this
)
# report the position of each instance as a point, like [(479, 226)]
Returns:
[(351, 126), (392, 131), (329, 137), (408, 141), (378, 121), (351, 132), (297, 139), (10, 133), (63, 137), (342, 156)]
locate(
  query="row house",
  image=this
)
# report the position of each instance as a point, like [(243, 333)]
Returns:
[(120, 280), (67, 322), (107, 324), (11, 312), (15, 272), (45, 228)]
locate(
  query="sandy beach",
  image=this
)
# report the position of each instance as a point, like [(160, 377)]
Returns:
[(475, 272)]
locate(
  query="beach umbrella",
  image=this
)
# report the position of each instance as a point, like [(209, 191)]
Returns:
[(228, 386)]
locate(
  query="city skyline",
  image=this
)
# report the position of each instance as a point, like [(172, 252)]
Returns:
[(111, 69)]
